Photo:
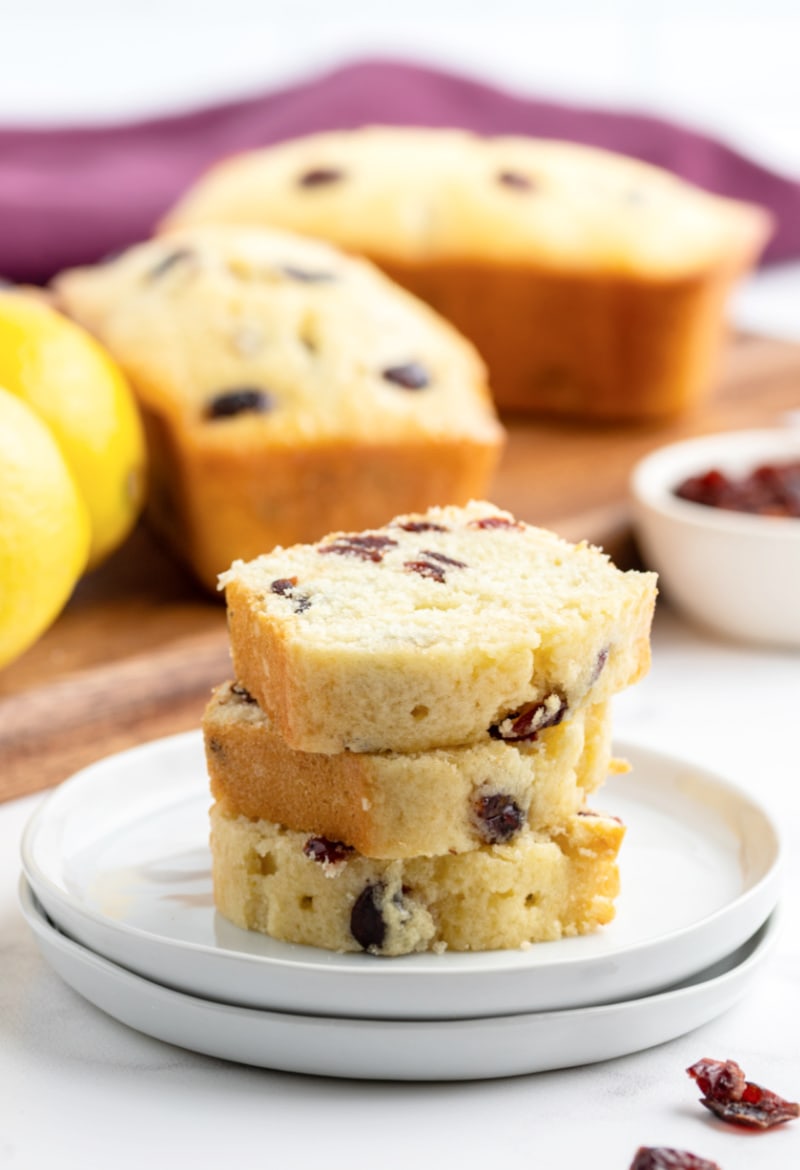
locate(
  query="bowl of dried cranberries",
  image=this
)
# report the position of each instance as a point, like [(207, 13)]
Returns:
[(719, 518)]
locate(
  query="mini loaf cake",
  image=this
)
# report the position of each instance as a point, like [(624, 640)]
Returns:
[(287, 390), (310, 890), (439, 629), (593, 284), (391, 805)]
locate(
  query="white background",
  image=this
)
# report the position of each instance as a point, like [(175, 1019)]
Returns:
[(725, 65)]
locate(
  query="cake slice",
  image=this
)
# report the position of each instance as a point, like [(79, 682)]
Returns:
[(309, 890), (447, 627), (389, 804)]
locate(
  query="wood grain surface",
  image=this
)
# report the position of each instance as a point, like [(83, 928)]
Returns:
[(137, 650)]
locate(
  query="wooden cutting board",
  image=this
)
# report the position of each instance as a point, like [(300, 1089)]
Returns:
[(138, 648)]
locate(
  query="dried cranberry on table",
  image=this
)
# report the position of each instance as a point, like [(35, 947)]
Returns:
[(662, 1158), (728, 1094), (773, 489)]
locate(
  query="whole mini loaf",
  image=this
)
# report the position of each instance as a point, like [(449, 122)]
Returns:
[(287, 390), (594, 285)]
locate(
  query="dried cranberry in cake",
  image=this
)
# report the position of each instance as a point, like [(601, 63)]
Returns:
[(367, 924), (728, 1094), (498, 817), (496, 522), (516, 180), (325, 851), (241, 400), (422, 526), (433, 566), (283, 586), (370, 547), (661, 1158), (449, 562), (242, 693), (426, 569), (320, 177), (527, 724), (411, 376), (306, 277), (171, 260), (599, 666)]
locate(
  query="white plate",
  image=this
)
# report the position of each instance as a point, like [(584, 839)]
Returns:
[(118, 858), (407, 1050)]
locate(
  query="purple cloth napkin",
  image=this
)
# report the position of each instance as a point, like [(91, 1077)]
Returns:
[(69, 196)]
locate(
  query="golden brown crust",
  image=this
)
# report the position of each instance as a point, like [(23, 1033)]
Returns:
[(578, 344), (217, 504)]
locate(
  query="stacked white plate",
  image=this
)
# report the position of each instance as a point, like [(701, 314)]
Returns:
[(117, 889)]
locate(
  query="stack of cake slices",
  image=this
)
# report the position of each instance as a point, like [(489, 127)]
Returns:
[(419, 715)]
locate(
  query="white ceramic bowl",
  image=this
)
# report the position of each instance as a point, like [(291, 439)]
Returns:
[(735, 572)]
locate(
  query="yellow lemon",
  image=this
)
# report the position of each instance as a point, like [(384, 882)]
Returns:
[(80, 394), (44, 528)]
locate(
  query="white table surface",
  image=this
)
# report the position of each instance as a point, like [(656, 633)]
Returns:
[(80, 1090)]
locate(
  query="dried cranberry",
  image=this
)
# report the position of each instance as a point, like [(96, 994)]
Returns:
[(307, 277), (285, 587), (728, 1094), (319, 176), (325, 851), (527, 723), (426, 569), (171, 260), (411, 376), (367, 924), (422, 526), (599, 666), (772, 489), (495, 522), (239, 401), (450, 562), (242, 693), (516, 180), (499, 817), (660, 1158), (370, 547)]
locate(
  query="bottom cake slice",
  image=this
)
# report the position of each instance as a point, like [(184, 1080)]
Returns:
[(310, 890)]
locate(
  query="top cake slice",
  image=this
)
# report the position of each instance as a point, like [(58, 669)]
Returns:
[(441, 628)]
